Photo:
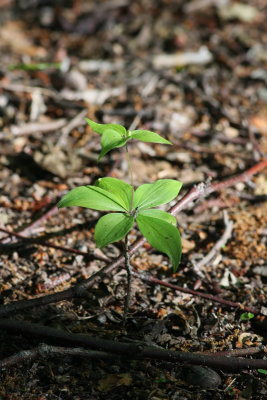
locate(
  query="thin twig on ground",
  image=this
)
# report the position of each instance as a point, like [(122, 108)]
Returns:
[(146, 277), (41, 242), (33, 225), (33, 127), (77, 121), (218, 245)]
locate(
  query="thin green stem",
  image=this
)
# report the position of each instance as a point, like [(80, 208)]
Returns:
[(126, 248), (129, 280), (131, 175)]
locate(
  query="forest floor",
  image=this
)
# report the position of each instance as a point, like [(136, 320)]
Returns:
[(195, 72)]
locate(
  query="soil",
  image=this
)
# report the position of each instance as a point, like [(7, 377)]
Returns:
[(195, 72)]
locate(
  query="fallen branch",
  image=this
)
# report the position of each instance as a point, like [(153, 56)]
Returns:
[(44, 351), (80, 289), (132, 350)]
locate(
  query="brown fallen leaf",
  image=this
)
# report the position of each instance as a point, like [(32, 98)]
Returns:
[(14, 34), (260, 122), (187, 245), (114, 380)]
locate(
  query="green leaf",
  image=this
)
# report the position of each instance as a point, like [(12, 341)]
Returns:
[(111, 228), (148, 136), (262, 371), (153, 194), (91, 197), (120, 189), (101, 128), (246, 316), (111, 140), (159, 214), (163, 236)]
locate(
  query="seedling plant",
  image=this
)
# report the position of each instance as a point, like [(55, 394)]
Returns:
[(127, 204)]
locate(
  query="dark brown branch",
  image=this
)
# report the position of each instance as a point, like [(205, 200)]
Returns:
[(45, 351), (129, 350), (250, 351), (81, 288)]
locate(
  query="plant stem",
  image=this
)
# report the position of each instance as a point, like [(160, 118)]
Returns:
[(131, 174), (129, 280), (126, 248)]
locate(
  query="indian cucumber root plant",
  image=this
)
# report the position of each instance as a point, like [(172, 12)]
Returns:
[(129, 205)]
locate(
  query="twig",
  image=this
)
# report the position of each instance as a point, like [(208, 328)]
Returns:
[(218, 245), (80, 289), (132, 351), (41, 242), (30, 228), (218, 203), (74, 123), (146, 277), (17, 87), (250, 351), (33, 127), (44, 351)]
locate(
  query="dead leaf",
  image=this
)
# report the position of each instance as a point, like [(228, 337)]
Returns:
[(14, 34), (114, 380), (260, 122), (187, 245), (247, 338), (240, 11)]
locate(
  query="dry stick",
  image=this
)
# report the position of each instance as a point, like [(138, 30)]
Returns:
[(80, 289), (131, 350), (29, 229), (150, 279), (250, 351), (54, 246), (77, 121), (44, 351), (218, 245), (33, 127)]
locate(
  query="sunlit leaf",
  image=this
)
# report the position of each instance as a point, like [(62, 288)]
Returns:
[(91, 197), (163, 236), (110, 140), (153, 194), (148, 136), (111, 228), (155, 213), (101, 128), (120, 189)]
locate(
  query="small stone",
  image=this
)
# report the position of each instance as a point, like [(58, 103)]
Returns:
[(201, 376)]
